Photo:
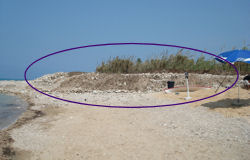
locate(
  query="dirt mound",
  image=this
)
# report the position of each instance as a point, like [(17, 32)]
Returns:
[(79, 82), (91, 81)]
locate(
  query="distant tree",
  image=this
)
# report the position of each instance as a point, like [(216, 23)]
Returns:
[(138, 61), (244, 48)]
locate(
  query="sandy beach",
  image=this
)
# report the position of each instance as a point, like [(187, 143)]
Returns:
[(55, 130)]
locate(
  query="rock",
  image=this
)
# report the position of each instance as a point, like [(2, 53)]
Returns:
[(118, 91)]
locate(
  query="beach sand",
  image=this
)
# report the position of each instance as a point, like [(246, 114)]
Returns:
[(53, 130)]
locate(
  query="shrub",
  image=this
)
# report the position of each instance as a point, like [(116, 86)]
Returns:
[(173, 63)]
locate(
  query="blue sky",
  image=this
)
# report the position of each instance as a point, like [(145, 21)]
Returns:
[(30, 29)]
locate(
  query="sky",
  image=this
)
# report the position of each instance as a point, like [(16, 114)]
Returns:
[(31, 29)]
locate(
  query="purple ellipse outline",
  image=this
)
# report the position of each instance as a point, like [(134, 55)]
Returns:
[(113, 44)]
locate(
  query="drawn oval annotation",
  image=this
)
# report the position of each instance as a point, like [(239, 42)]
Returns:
[(116, 44)]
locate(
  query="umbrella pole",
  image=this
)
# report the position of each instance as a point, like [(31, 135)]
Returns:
[(239, 87)]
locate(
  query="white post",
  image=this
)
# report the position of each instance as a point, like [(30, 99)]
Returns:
[(188, 96)]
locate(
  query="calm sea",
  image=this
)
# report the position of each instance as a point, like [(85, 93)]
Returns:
[(11, 107), (8, 79)]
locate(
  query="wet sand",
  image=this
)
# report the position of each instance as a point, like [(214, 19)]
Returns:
[(11, 107)]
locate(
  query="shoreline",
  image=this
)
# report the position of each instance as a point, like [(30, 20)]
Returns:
[(6, 149)]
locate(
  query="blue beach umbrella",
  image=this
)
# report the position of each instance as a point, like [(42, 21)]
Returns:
[(235, 56)]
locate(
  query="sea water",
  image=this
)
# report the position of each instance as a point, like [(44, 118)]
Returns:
[(11, 107)]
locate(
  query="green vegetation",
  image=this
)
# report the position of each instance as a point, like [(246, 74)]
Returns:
[(177, 63)]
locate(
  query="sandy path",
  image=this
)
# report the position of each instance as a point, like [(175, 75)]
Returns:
[(181, 132)]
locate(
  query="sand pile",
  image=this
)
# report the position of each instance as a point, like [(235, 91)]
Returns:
[(79, 82)]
